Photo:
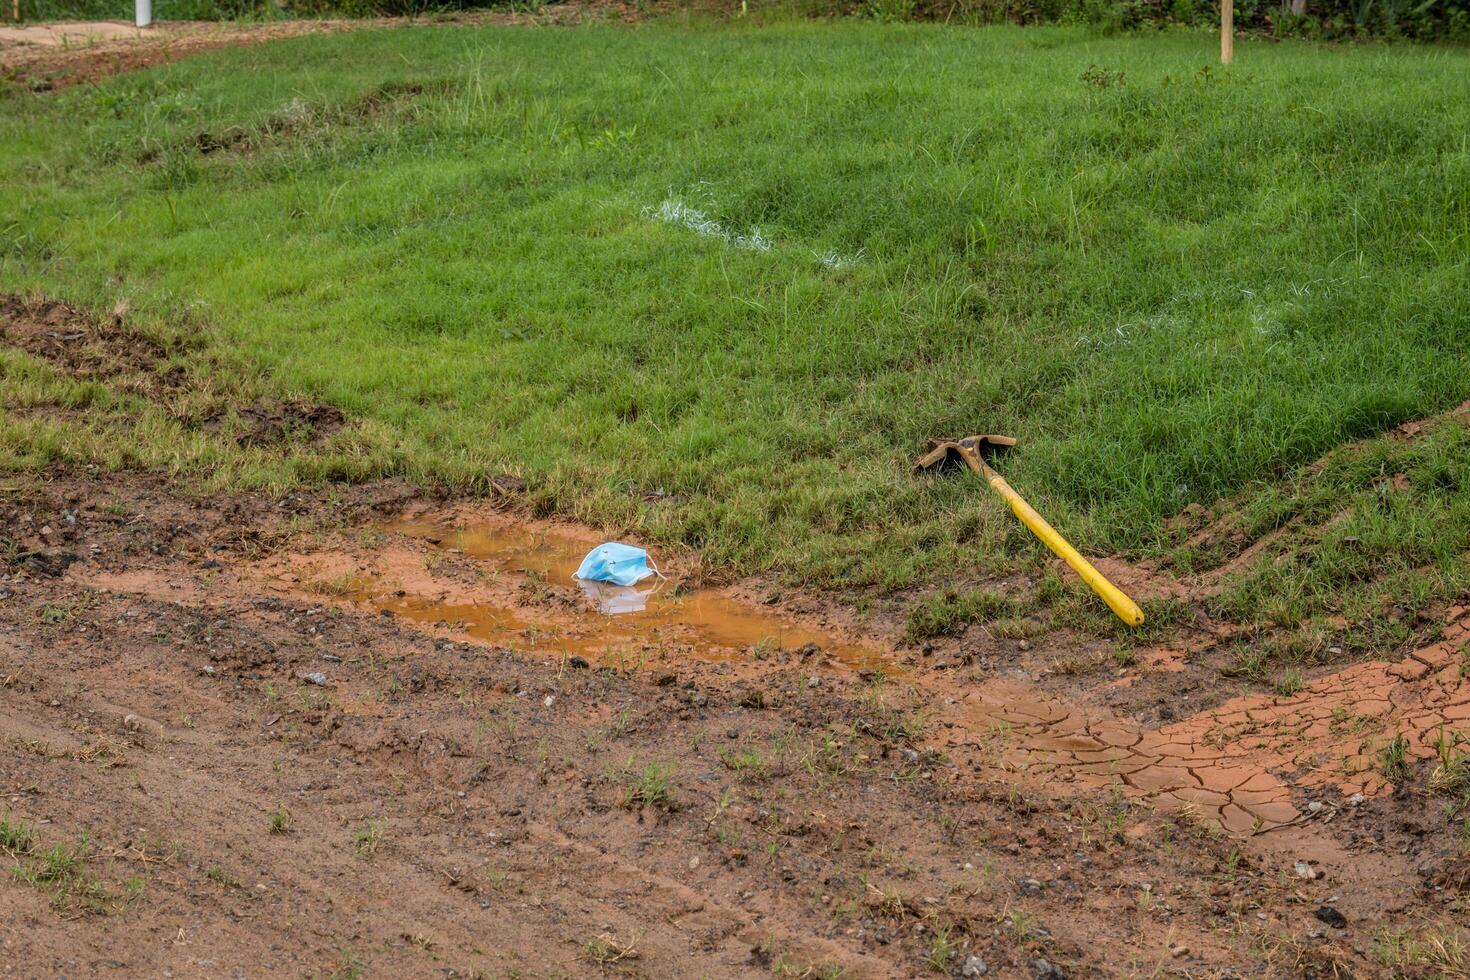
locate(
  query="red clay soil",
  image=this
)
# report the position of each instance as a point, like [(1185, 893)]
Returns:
[(272, 775)]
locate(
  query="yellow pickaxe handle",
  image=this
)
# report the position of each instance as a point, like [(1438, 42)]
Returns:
[(1119, 603)]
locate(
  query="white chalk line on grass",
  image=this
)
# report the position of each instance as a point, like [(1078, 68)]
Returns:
[(674, 211)]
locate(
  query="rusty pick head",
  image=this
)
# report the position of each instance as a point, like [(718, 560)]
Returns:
[(942, 451)]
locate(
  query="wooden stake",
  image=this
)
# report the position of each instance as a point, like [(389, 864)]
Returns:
[(1227, 31)]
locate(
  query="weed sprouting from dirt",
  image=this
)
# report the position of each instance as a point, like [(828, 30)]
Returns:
[(367, 838), (1289, 683), (650, 786), (16, 837), (1394, 760), (1020, 926), (220, 875), (747, 764), (1451, 775), (1436, 949), (280, 820), (942, 951), (53, 615), (606, 949), (348, 966), (61, 872)]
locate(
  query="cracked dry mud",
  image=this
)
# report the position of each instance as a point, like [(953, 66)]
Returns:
[(835, 800), (1245, 762)]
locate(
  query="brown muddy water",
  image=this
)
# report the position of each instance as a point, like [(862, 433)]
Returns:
[(611, 624)]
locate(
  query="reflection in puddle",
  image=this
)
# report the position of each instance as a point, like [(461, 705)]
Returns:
[(532, 608), (616, 600)]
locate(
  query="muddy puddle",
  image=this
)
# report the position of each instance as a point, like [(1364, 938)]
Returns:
[(510, 585), (1253, 764)]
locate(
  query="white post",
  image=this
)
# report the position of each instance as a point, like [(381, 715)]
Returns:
[(142, 12)]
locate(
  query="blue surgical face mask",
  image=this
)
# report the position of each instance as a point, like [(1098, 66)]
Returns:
[(620, 564)]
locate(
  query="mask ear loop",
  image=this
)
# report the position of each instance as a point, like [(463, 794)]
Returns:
[(649, 558)]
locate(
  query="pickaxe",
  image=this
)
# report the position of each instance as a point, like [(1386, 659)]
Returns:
[(972, 449)]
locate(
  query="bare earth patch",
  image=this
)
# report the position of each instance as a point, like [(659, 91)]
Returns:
[(53, 56), (271, 773)]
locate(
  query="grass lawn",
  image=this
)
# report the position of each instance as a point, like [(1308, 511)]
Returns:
[(755, 268)]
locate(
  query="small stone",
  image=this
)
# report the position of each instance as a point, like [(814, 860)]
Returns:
[(208, 670), (1315, 806), (974, 967), (549, 700), (909, 755), (315, 677), (138, 723), (579, 663), (1331, 916), (1179, 952), (1357, 799), (1047, 970), (1030, 886), (211, 565), (1023, 645), (813, 682), (1305, 870), (694, 862)]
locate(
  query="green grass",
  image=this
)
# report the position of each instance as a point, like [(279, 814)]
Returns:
[(650, 786), (1169, 289), (61, 872), (950, 612), (16, 837), (368, 838)]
